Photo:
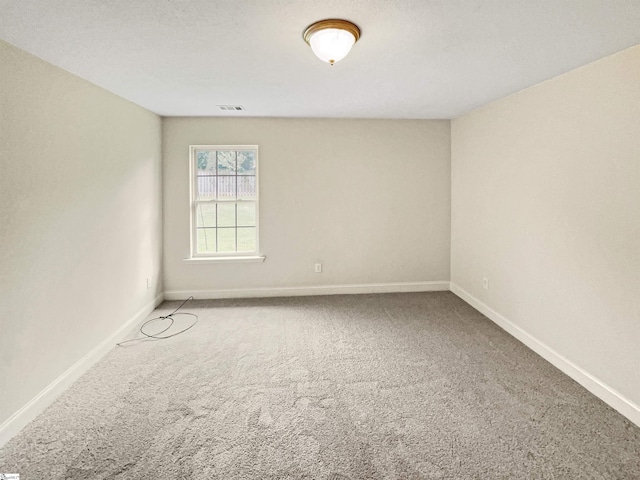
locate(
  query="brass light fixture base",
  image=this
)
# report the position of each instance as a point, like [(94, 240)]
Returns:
[(331, 23)]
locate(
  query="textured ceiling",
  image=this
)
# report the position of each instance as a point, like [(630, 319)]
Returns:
[(416, 58)]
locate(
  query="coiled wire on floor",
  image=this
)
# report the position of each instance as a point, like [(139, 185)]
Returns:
[(158, 335)]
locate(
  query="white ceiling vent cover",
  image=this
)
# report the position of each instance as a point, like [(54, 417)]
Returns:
[(233, 108)]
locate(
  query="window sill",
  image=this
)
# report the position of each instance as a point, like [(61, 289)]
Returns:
[(236, 259)]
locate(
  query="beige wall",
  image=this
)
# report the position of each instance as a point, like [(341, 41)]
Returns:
[(370, 199), (546, 204), (80, 220)]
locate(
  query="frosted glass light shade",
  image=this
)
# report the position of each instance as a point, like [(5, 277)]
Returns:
[(331, 40), (331, 45)]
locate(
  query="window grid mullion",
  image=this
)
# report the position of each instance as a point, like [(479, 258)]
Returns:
[(236, 204), (217, 243)]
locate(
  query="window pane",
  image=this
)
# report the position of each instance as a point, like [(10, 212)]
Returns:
[(227, 188), (205, 215), (206, 240), (247, 188), (246, 215), (246, 239), (226, 215), (226, 240), (206, 187), (205, 161), (226, 162), (246, 162)]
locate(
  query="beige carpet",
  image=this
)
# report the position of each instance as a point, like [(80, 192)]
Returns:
[(340, 387)]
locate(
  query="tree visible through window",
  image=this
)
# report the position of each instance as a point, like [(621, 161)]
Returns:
[(224, 206)]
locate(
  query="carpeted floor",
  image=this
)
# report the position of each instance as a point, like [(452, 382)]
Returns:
[(339, 387)]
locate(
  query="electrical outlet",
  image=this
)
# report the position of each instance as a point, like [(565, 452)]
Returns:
[(485, 283), (318, 268)]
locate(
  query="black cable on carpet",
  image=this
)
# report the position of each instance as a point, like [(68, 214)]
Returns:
[(158, 335)]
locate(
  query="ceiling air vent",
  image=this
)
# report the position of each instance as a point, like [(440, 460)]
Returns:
[(233, 108)]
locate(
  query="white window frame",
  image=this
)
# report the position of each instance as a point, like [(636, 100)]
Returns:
[(225, 257)]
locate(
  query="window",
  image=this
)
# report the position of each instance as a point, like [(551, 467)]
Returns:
[(224, 200)]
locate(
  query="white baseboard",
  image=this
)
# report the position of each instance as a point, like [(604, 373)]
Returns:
[(31, 410), (309, 290), (36, 405), (600, 389)]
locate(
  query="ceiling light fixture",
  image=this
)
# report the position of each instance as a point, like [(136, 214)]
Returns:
[(331, 39)]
